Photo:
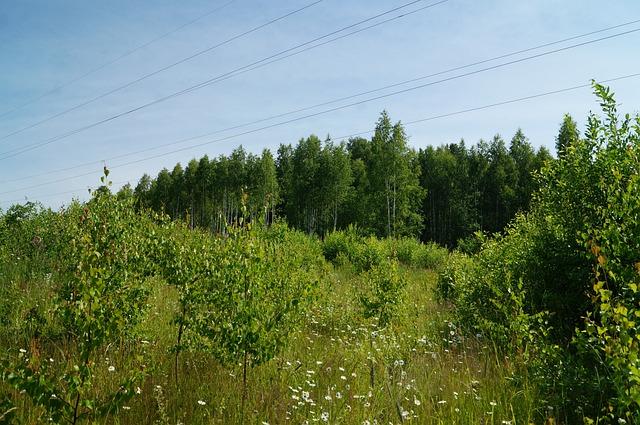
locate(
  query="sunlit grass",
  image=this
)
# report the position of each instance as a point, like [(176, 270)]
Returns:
[(425, 370)]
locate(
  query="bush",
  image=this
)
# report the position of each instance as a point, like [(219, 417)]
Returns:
[(471, 244), (381, 293), (413, 253), (363, 253), (431, 256), (575, 255), (371, 252), (340, 243), (406, 250), (453, 274)]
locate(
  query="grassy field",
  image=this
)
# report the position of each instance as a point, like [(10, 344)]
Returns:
[(423, 370)]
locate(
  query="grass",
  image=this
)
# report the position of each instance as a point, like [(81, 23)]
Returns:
[(425, 370)]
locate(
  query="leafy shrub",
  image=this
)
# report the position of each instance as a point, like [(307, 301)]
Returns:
[(371, 252), (363, 253), (259, 280), (414, 253), (530, 289), (102, 298), (453, 274), (341, 243), (610, 231), (382, 293), (430, 256), (405, 249), (471, 244)]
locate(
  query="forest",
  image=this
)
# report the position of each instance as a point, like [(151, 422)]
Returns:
[(355, 282), (381, 186)]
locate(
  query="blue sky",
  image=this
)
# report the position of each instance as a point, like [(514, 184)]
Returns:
[(45, 44)]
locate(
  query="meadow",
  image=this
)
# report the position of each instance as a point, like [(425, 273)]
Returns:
[(111, 312), (337, 365)]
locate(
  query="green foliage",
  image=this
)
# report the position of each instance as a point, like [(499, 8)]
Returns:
[(7, 411), (477, 188), (414, 253), (612, 234), (535, 280), (471, 244), (102, 298), (341, 243), (382, 293), (454, 274), (567, 136), (260, 281), (363, 253), (531, 255)]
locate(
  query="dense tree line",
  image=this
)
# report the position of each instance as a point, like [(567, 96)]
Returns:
[(480, 187), (380, 185)]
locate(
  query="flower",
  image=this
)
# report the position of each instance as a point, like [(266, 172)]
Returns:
[(111, 369), (324, 416), (416, 401), (201, 403)]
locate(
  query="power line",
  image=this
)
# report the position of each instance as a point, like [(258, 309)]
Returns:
[(502, 56), (158, 71), (250, 67), (421, 120), (116, 59), (502, 103), (406, 90)]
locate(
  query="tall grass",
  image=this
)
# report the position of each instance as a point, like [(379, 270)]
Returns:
[(428, 372)]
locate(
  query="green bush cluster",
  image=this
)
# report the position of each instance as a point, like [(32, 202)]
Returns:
[(241, 294), (348, 247), (414, 253), (453, 273), (559, 288)]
